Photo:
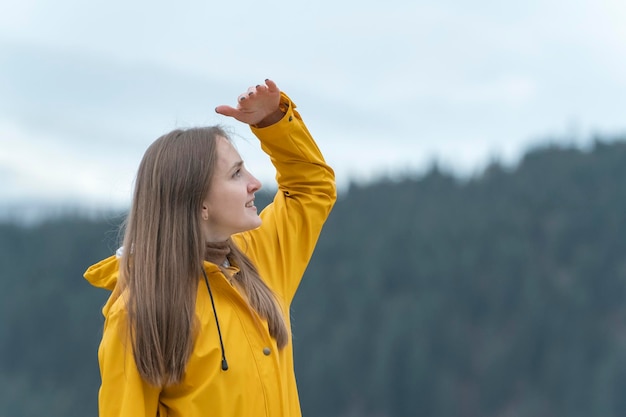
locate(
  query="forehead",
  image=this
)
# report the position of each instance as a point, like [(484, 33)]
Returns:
[(227, 155)]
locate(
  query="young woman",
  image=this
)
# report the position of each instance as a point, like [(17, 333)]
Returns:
[(198, 321)]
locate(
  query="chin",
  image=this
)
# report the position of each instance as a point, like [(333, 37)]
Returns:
[(252, 225), (257, 223)]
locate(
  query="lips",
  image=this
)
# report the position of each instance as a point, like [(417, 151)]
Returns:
[(250, 204)]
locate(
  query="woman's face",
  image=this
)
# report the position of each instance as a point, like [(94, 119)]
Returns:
[(229, 208)]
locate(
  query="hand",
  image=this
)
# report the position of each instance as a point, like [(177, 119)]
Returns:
[(258, 106)]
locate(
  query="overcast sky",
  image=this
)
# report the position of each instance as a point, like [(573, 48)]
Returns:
[(385, 87)]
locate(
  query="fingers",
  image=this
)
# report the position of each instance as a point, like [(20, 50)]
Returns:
[(243, 96), (249, 93), (271, 86), (227, 111)]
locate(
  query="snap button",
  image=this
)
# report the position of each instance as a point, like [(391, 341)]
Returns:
[(290, 118), (266, 351)]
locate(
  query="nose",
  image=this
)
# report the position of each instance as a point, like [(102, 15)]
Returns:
[(254, 184)]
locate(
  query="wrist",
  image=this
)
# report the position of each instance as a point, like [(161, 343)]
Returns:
[(272, 118)]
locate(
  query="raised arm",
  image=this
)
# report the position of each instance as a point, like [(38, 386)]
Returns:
[(282, 247)]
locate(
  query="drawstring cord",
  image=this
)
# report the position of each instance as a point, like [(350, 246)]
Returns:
[(217, 322)]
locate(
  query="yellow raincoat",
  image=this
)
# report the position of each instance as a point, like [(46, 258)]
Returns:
[(260, 380)]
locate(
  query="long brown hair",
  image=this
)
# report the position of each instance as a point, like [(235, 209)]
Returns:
[(164, 252)]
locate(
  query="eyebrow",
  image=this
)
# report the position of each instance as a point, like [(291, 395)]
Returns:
[(236, 165)]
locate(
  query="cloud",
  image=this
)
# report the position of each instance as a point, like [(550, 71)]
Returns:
[(85, 87)]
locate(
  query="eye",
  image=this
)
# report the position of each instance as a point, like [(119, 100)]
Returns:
[(237, 173)]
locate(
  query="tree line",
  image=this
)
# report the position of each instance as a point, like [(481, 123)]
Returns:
[(431, 295)]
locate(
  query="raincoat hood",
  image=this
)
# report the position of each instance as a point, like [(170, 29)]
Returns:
[(104, 274)]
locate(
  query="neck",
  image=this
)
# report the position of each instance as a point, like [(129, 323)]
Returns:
[(217, 252)]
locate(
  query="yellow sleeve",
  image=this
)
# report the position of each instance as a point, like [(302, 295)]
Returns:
[(282, 247), (123, 393)]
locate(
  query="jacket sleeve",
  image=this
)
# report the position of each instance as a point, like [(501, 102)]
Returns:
[(122, 393), (282, 247)]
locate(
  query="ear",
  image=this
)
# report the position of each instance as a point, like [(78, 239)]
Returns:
[(205, 211)]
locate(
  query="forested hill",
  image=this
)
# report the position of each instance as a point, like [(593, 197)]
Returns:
[(500, 295)]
